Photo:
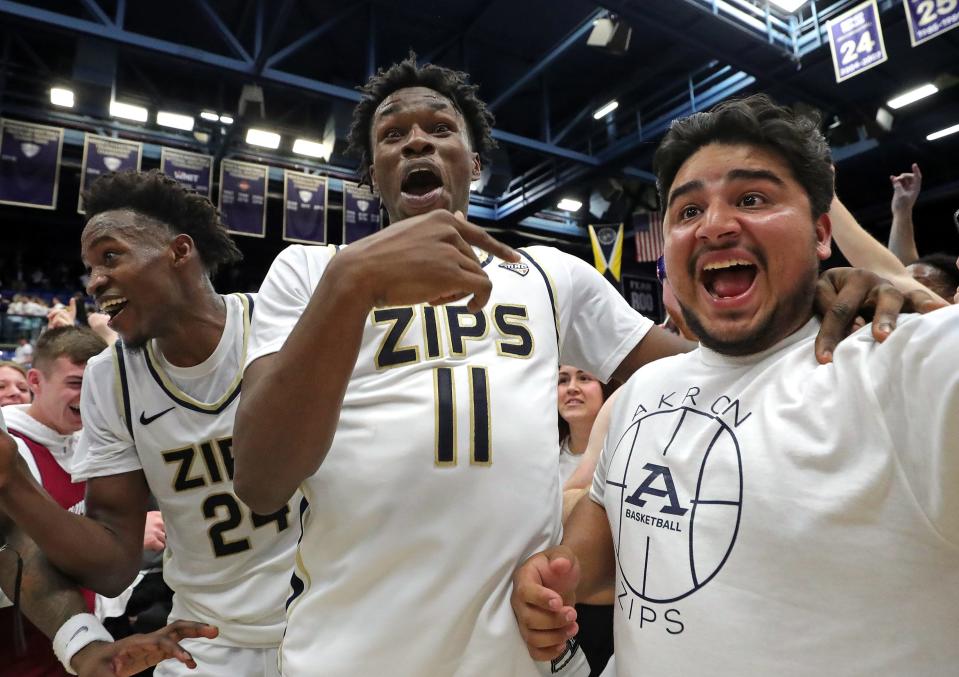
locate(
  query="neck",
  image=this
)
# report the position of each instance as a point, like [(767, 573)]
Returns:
[(196, 329), (579, 437)]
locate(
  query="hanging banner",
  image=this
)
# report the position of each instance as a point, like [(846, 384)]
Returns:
[(304, 207), (243, 197), (193, 170), (855, 39), (644, 295), (104, 155), (929, 19), (361, 212), (648, 233), (29, 164), (607, 244)]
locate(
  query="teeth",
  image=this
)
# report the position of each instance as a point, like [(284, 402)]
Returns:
[(112, 302), (728, 263)]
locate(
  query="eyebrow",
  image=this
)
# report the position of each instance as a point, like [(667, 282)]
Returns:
[(731, 175), (395, 106)]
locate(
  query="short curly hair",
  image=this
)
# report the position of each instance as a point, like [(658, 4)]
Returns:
[(452, 84), (756, 121), (163, 199)]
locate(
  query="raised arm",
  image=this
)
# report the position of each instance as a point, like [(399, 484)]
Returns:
[(902, 236), (292, 398)]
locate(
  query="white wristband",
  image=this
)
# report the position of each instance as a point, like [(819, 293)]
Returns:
[(75, 634)]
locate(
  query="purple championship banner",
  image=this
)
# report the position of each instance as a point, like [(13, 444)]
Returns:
[(243, 197), (929, 19), (104, 155), (855, 39), (29, 164), (361, 212), (304, 207), (192, 170)]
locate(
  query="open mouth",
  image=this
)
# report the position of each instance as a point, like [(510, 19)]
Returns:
[(113, 307), (75, 409), (729, 278), (421, 181)]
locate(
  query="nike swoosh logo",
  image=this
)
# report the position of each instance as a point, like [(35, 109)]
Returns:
[(147, 420), (82, 628)]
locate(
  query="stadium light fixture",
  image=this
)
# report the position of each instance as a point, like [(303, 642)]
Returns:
[(209, 115), (128, 111), (175, 120), (912, 96), (605, 109), (61, 96), (226, 119), (788, 5), (311, 148), (569, 205), (262, 138), (943, 132)]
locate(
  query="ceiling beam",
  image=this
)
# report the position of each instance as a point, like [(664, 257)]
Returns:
[(547, 59)]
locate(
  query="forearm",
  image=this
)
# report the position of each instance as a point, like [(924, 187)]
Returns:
[(47, 597), (864, 251), (291, 406), (587, 534), (902, 237), (82, 548)]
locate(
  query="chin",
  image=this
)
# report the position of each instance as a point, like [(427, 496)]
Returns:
[(734, 338)]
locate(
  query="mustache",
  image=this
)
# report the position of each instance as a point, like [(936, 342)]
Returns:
[(693, 262)]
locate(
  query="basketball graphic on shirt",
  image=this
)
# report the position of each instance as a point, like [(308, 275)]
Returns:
[(679, 475)]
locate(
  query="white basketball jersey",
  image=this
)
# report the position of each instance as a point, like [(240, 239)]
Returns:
[(443, 474), (227, 566)]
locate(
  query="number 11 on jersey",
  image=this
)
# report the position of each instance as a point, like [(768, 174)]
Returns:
[(445, 394)]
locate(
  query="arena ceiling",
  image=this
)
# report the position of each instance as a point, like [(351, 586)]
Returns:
[(531, 60)]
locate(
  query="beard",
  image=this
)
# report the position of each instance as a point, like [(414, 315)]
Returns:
[(789, 313)]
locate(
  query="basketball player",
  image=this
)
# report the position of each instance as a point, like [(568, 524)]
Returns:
[(158, 418), (58, 608), (430, 350), (759, 511)]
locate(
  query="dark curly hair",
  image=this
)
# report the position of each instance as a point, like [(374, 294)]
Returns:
[(159, 197), (756, 121), (451, 84)]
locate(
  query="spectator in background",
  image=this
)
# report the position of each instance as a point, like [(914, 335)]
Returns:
[(13, 384), (580, 395), (23, 354), (69, 316), (905, 192), (937, 271)]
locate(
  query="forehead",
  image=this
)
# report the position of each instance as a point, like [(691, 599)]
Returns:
[(714, 161), (64, 367), (121, 225), (11, 373), (414, 99)]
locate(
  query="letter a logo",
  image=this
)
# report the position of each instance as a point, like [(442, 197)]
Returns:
[(646, 488)]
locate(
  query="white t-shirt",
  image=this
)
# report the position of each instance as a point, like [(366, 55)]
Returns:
[(226, 566), (775, 516), (443, 474)]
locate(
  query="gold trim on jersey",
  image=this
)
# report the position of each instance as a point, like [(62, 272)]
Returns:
[(436, 419), (473, 416), (396, 348), (171, 388), (514, 340), (550, 287)]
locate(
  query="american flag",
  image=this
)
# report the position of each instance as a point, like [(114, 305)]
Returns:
[(648, 227)]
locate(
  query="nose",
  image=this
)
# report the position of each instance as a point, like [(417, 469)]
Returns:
[(417, 143), (96, 282), (720, 222)]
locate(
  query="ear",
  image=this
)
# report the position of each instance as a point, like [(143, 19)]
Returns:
[(183, 248), (477, 168), (823, 237), (373, 177), (35, 381)]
